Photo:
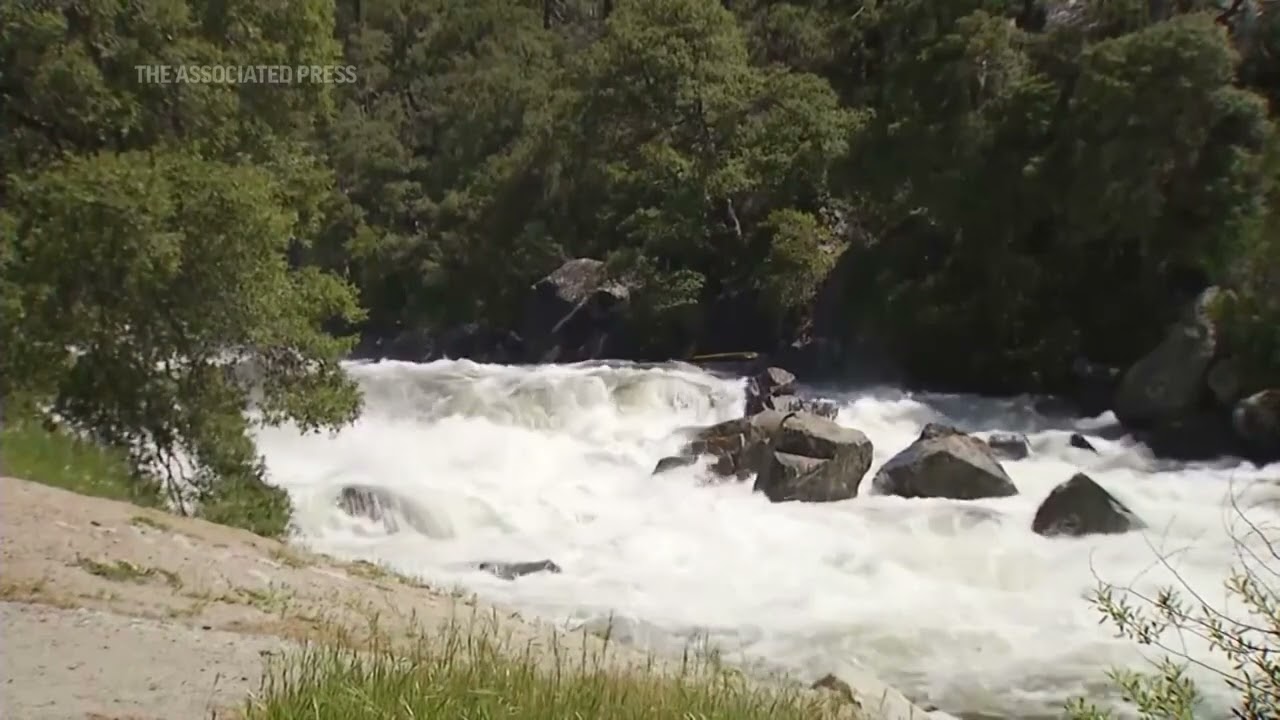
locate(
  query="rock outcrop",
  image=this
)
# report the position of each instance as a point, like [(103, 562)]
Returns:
[(944, 463), (1169, 382), (1081, 506), (576, 313)]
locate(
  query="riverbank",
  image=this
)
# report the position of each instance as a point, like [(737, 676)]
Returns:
[(114, 610)]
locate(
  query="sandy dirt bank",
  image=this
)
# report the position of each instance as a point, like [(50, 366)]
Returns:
[(114, 611)]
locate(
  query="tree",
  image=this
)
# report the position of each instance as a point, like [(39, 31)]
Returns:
[(151, 300)]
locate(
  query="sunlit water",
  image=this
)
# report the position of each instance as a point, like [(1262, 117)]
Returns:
[(956, 603)]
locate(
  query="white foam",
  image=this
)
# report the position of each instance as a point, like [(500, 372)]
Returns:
[(957, 604)]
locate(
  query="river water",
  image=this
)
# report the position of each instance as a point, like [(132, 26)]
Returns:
[(956, 603)]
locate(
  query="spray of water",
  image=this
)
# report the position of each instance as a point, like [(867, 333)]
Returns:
[(956, 603)]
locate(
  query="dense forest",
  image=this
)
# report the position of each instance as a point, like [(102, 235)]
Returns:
[(978, 193)]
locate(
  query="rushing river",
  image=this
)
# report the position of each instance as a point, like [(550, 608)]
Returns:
[(956, 603)]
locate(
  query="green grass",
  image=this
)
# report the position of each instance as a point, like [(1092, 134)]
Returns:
[(31, 451), (469, 673)]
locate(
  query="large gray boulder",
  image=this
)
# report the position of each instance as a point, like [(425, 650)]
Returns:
[(1081, 506), (812, 459), (1169, 382), (743, 446), (795, 478), (944, 463)]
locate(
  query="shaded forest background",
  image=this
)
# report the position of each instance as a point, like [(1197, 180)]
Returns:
[(978, 193)]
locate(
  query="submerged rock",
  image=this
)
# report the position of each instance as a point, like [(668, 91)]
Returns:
[(944, 463), (381, 505), (672, 462), (1010, 446), (1079, 441), (1081, 506), (513, 570)]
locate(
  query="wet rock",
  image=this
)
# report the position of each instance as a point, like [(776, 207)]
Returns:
[(790, 403), (1256, 421), (513, 570), (1079, 441), (763, 386), (796, 478), (674, 461), (1080, 507), (1009, 446), (944, 463), (1169, 382), (380, 505), (742, 446), (816, 437), (841, 688)]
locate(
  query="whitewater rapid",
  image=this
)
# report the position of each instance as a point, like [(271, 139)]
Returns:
[(956, 603)]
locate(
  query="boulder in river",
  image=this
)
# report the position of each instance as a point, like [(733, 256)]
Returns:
[(1009, 446), (1080, 442), (790, 403), (380, 505), (743, 446), (765, 385), (672, 462), (513, 570), (944, 463), (1081, 506), (816, 461)]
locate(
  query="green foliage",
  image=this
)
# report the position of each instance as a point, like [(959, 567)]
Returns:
[(1245, 639), (148, 283), (1251, 313), (42, 452), (1021, 183)]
